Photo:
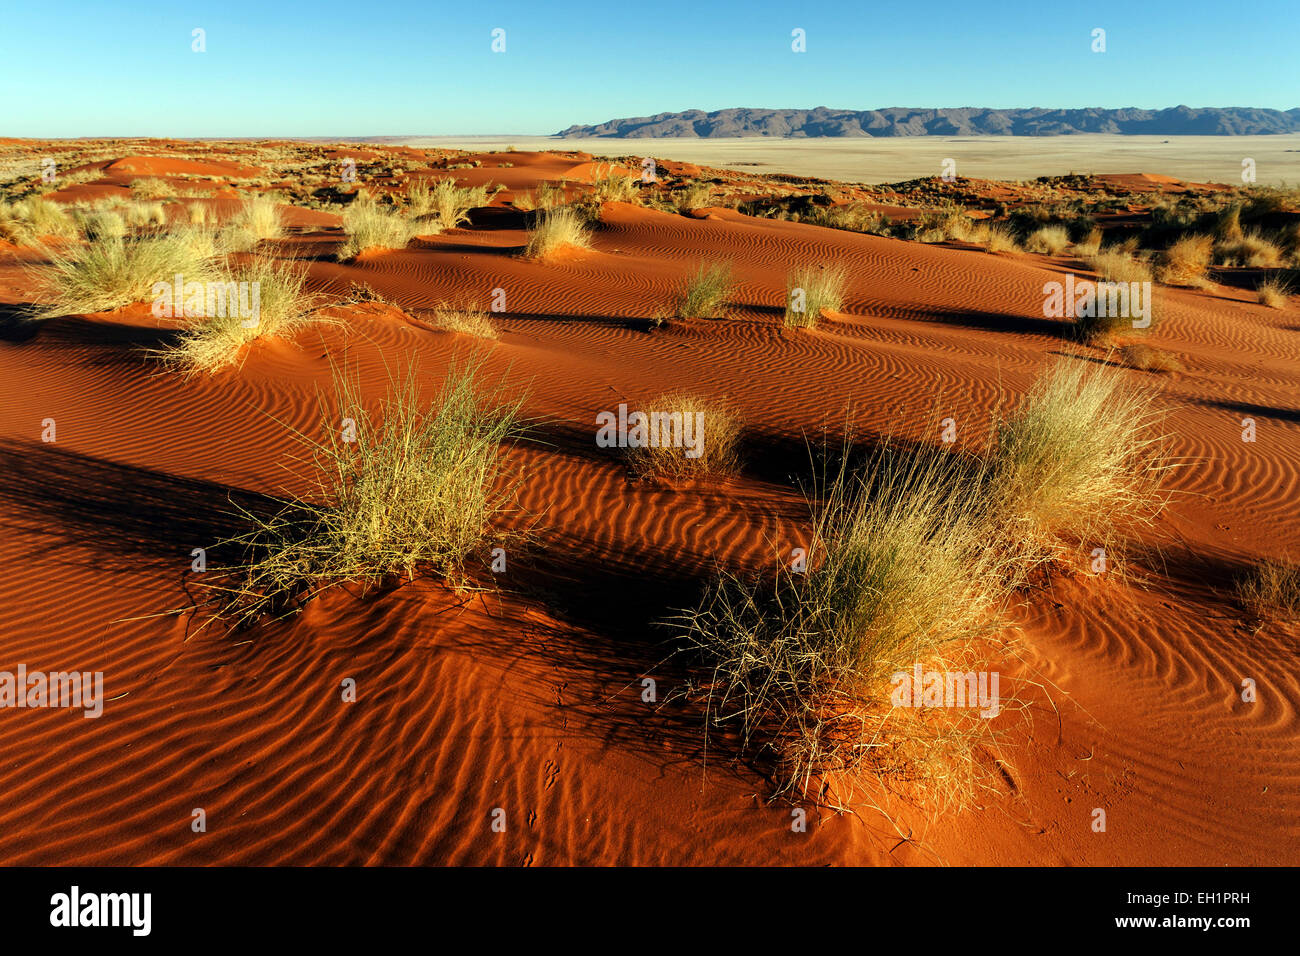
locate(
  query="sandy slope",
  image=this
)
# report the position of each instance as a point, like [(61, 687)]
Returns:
[(530, 700)]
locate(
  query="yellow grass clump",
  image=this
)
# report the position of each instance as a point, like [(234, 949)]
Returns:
[(465, 321), (1048, 240), (809, 291), (704, 294), (1079, 458), (687, 435), (1273, 293), (370, 226), (557, 228), (114, 271), (270, 303), (401, 485), (1270, 590)]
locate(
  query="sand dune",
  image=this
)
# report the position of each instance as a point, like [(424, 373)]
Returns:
[(529, 699)]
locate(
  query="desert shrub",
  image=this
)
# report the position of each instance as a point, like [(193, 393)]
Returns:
[(704, 294), (418, 490), (1079, 458), (557, 228), (279, 308), (712, 427), (809, 291)]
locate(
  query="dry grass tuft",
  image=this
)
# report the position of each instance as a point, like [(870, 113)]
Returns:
[(1271, 590), (417, 489), (688, 435), (1048, 240), (704, 294), (1079, 458), (370, 226), (557, 228), (275, 306), (809, 291), (467, 321), (1273, 292)]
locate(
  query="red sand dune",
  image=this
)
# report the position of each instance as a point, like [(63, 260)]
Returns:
[(533, 705)]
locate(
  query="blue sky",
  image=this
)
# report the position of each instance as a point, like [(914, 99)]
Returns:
[(331, 68)]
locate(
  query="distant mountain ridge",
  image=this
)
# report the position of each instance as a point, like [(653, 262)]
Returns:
[(961, 121)]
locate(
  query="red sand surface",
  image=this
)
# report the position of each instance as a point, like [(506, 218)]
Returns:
[(529, 699)]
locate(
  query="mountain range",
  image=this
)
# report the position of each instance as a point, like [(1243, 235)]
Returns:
[(961, 121)]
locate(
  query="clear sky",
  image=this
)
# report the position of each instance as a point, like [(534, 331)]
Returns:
[(421, 67)]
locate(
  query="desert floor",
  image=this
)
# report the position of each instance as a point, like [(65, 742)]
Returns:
[(529, 699), (1206, 159)]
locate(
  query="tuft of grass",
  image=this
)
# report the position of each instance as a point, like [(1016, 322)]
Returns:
[(1079, 458), (29, 220), (1273, 292), (1186, 261), (809, 291), (114, 271), (616, 189), (696, 195), (1115, 266), (715, 431), (259, 218), (467, 321), (851, 217), (1144, 358), (1000, 239), (370, 226), (1251, 250), (1048, 240), (704, 294), (401, 487), (898, 571), (218, 341), (1090, 245), (446, 202), (96, 224), (557, 228), (142, 215), (151, 187), (1270, 590)]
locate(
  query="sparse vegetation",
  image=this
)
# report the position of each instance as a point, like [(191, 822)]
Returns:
[(712, 427), (417, 490), (116, 271), (1273, 293), (217, 341), (1185, 262), (899, 570), (809, 291), (1048, 240), (469, 320), (1079, 458), (370, 227), (1270, 590), (704, 294), (557, 228)]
